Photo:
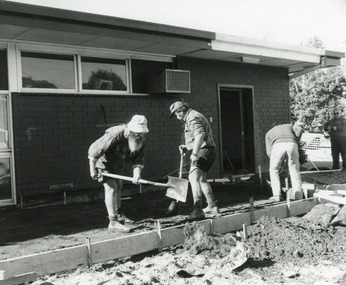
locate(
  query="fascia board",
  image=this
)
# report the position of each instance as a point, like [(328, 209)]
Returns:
[(263, 48)]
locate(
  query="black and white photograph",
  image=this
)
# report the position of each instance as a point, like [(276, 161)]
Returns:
[(173, 142)]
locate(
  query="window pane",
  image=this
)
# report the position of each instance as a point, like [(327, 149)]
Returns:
[(140, 70), (104, 74), (3, 70), (47, 71), (5, 179), (3, 122)]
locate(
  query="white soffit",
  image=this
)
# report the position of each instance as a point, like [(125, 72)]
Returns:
[(254, 47)]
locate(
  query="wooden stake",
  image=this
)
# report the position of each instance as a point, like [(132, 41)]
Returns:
[(211, 227), (89, 258), (65, 198), (260, 175), (245, 231), (159, 235), (252, 216), (288, 204)]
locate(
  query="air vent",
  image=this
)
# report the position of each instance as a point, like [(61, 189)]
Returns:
[(169, 81)]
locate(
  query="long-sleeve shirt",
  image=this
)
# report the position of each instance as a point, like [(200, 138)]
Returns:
[(282, 133), (340, 124), (112, 151), (196, 124)]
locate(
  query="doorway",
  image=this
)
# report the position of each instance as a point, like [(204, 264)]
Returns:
[(237, 130), (7, 192)]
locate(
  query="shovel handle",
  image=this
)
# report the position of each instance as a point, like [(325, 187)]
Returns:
[(127, 178), (181, 165)]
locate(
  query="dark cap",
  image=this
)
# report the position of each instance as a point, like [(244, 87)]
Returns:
[(177, 105)]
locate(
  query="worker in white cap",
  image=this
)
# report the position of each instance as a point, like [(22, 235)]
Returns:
[(110, 153)]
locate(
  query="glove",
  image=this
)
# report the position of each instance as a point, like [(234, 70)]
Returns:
[(93, 171), (182, 149)]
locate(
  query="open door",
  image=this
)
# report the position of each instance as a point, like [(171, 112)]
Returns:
[(237, 130)]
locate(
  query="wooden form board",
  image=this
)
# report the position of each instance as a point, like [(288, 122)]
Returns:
[(79, 256), (332, 197), (20, 279)]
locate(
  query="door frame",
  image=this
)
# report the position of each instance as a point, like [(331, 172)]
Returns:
[(235, 87), (8, 153)]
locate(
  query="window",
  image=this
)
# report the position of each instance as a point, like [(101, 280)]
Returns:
[(104, 74), (47, 71), (3, 70), (140, 71)]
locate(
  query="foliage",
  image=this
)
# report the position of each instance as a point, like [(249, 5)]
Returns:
[(96, 78), (31, 83), (315, 94)]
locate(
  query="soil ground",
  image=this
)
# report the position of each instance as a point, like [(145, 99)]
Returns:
[(31, 230), (289, 251)]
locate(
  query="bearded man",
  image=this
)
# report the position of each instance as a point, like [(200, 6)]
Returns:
[(119, 145)]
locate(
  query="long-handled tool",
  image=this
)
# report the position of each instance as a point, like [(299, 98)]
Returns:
[(176, 185), (178, 194)]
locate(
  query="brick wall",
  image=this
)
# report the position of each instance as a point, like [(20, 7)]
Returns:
[(52, 133), (271, 97)]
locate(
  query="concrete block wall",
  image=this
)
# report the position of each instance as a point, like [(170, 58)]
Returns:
[(52, 132)]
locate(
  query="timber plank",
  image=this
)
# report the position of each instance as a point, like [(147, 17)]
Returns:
[(123, 246), (301, 207), (231, 223), (46, 262), (19, 279), (331, 198)]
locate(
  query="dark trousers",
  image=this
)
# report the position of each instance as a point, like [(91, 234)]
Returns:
[(338, 145)]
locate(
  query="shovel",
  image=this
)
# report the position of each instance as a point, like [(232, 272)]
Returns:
[(178, 194), (175, 185)]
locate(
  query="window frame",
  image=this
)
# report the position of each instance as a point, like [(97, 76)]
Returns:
[(78, 53), (94, 91), (46, 90)]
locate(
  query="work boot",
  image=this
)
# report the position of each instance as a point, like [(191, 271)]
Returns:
[(276, 198), (117, 226), (211, 209), (121, 218), (172, 209), (196, 215)]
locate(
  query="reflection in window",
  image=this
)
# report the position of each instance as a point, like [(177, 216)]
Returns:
[(47, 71), (104, 74), (3, 122), (5, 179), (140, 70), (3, 70)]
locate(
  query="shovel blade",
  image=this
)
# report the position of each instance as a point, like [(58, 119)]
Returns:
[(177, 188)]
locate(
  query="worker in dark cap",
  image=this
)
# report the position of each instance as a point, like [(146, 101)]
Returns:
[(200, 144)]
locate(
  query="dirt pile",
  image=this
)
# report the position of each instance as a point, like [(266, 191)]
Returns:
[(296, 240)]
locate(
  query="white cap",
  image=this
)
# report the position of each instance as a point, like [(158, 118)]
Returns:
[(138, 124)]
